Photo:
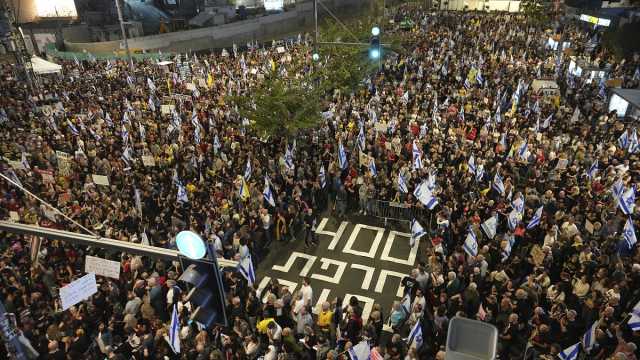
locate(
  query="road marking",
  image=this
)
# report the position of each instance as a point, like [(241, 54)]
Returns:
[(382, 278), (335, 235), (368, 275), (263, 284), (292, 259), (265, 280), (335, 279), (368, 305), (374, 246), (389, 244), (324, 295)]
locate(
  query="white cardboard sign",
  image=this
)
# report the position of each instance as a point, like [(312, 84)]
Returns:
[(102, 267), (78, 291)]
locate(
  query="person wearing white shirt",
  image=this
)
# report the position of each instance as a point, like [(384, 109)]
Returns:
[(307, 292)]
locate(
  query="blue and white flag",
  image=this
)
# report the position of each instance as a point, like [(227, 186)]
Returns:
[(342, 157), (589, 337), (522, 150), (479, 78), (471, 164), (634, 145), (490, 226), (636, 74), (518, 205), (629, 233), (288, 159), (467, 83), (415, 336), (129, 80), (142, 131), (73, 129), (425, 196), (470, 245), (506, 252), (417, 231), (535, 220), (151, 85), (107, 120), (480, 173), (536, 107), (24, 161), (362, 142), (406, 303), (593, 170), (125, 135), (323, 177), (268, 195), (634, 320), (361, 351), (152, 105), (623, 140), (417, 157), (245, 267), (372, 167), (247, 170), (498, 185), (547, 122), (174, 331), (617, 189), (627, 201), (402, 184), (461, 114), (216, 144), (570, 353), (182, 193), (503, 141)]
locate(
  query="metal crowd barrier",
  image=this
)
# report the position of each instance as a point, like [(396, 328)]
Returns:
[(398, 212)]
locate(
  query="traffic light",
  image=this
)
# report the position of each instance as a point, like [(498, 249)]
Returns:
[(374, 47), (207, 292)]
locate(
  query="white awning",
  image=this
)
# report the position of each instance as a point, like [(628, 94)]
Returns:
[(42, 66)]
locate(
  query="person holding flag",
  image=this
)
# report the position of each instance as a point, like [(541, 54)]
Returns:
[(417, 231), (470, 245), (267, 194), (342, 157)]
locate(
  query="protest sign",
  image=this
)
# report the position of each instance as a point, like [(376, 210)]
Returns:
[(64, 163), (102, 267), (78, 291), (100, 180), (148, 160)]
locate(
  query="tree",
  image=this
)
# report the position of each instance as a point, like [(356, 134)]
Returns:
[(536, 10)]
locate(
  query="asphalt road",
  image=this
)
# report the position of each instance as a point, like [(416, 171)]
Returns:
[(362, 259)]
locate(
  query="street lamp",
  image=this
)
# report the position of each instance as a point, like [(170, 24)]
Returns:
[(191, 245)]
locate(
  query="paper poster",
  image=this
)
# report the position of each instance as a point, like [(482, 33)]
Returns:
[(562, 164), (280, 49), (364, 159), (17, 165), (78, 291), (14, 216), (64, 163), (102, 267), (148, 160), (202, 83), (166, 109), (100, 180), (588, 226), (381, 127), (253, 71), (190, 86), (537, 254)]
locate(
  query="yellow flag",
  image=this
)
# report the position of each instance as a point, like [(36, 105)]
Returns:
[(169, 85), (209, 80), (244, 190)]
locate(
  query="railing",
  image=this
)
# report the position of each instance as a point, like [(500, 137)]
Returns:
[(399, 212)]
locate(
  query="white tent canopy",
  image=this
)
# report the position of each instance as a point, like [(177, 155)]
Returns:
[(42, 66)]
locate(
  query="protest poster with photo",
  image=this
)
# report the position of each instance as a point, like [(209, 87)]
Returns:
[(100, 180), (64, 163)]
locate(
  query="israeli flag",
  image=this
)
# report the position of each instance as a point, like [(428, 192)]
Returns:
[(245, 267), (627, 201), (372, 167), (73, 129), (467, 83), (417, 231), (268, 195), (361, 139), (498, 116), (593, 170), (152, 105), (518, 205), (522, 151), (589, 337), (535, 220), (470, 245), (342, 157), (107, 119), (406, 303), (636, 74), (142, 131), (216, 144), (536, 107), (402, 184), (461, 114), (174, 330), (629, 233), (247, 170), (182, 193), (196, 135), (634, 145), (479, 77), (288, 159), (125, 135), (623, 140), (151, 85), (361, 351), (506, 252), (323, 177), (417, 161), (489, 227), (405, 97), (547, 122), (471, 164), (498, 185), (617, 189), (634, 320), (570, 353), (503, 140), (24, 161), (415, 336)]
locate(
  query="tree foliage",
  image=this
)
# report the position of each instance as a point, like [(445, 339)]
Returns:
[(536, 10)]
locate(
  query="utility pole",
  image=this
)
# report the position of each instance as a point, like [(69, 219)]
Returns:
[(315, 17), (124, 34)]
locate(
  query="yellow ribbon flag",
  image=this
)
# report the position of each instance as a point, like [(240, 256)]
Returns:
[(244, 190), (169, 85), (209, 80)]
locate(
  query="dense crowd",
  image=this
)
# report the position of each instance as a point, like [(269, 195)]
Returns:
[(457, 108)]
